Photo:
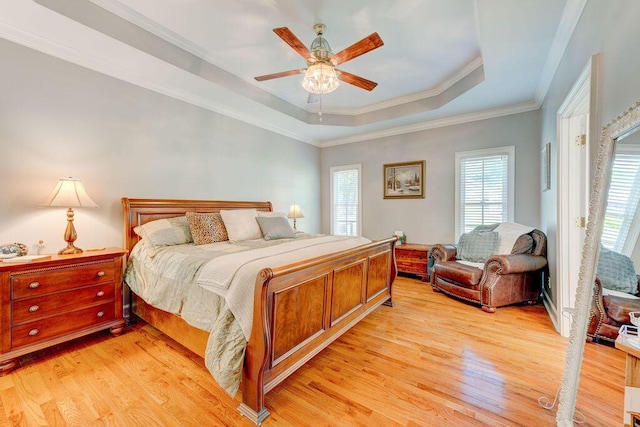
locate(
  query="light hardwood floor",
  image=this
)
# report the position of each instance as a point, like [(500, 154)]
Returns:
[(429, 361)]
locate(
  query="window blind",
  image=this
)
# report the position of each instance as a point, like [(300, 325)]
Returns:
[(345, 204), (483, 190), (622, 201)]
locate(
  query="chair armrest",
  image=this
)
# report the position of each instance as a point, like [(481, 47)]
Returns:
[(442, 252), (515, 263)]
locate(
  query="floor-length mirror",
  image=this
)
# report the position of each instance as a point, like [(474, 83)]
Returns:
[(611, 237)]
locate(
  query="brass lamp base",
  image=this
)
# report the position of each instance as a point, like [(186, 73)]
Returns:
[(69, 250), (70, 236)]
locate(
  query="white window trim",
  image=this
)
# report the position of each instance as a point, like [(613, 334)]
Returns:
[(510, 151), (334, 169)]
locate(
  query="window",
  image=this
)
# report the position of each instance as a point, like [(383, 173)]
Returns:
[(484, 187), (346, 200), (621, 225)]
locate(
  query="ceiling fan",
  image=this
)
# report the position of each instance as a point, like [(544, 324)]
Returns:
[(321, 76)]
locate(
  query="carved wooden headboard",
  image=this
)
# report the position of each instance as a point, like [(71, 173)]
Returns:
[(139, 211)]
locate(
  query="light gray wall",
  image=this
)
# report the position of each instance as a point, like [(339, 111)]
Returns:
[(609, 28), (58, 119), (431, 220)]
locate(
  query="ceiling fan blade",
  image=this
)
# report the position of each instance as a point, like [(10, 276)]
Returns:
[(312, 98), (358, 81), (281, 74), (289, 38), (373, 41)]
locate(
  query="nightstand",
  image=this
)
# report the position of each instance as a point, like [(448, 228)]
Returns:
[(47, 302), (413, 258)]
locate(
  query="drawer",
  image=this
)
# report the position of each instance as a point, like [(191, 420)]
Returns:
[(412, 267), (30, 309), (411, 254), (51, 327), (45, 282)]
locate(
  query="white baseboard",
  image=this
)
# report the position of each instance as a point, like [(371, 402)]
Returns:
[(551, 310)]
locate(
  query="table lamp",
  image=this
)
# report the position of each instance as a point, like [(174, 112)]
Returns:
[(295, 212), (70, 193)]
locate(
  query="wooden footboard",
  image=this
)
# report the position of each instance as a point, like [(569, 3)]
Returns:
[(299, 309)]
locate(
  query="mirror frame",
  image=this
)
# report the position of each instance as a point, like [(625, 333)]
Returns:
[(568, 392)]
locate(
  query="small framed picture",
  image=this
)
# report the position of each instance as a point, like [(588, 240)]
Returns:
[(404, 180), (545, 169)]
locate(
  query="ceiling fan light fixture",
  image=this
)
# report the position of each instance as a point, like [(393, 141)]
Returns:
[(320, 78)]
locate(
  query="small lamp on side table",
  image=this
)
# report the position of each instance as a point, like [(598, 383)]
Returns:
[(70, 193), (295, 212)]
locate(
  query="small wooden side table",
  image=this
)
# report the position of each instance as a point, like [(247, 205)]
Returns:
[(50, 301), (412, 258), (627, 343)]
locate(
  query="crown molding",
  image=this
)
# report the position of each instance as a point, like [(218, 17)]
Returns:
[(95, 63), (433, 124), (570, 17), (418, 96)]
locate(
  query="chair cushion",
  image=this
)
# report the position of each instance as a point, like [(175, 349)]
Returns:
[(477, 247), (458, 272), (616, 272)]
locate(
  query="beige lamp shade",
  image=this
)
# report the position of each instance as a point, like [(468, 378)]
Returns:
[(295, 212), (70, 193)]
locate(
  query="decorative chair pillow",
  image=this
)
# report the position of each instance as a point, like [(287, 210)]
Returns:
[(509, 233), (616, 272), (241, 224), (477, 247), (206, 228), (276, 227)]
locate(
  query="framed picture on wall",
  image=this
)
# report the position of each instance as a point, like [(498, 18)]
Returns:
[(404, 180), (545, 167)]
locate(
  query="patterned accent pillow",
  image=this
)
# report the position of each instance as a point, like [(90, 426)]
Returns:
[(616, 272), (276, 227), (477, 247), (206, 228), (165, 232)]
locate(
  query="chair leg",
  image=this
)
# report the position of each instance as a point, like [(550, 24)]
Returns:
[(488, 309)]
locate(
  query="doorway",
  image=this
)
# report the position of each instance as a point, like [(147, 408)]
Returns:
[(575, 118)]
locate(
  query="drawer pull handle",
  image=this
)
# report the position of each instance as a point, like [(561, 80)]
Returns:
[(34, 308), (34, 332), (100, 294), (100, 313), (100, 273), (34, 285)]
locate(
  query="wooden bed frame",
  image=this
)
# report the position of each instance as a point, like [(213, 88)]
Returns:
[(299, 309)]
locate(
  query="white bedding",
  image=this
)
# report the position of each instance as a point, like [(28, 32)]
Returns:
[(233, 276)]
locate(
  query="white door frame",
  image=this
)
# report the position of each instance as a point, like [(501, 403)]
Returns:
[(576, 115)]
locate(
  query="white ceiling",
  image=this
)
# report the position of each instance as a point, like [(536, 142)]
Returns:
[(443, 61)]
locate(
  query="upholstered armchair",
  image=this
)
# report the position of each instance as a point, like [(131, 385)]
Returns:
[(503, 279), (615, 295), (609, 312)]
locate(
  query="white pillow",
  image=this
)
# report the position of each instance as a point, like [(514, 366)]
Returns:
[(241, 224), (508, 234)]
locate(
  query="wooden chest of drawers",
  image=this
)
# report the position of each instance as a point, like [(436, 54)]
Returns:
[(413, 258), (47, 302)]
